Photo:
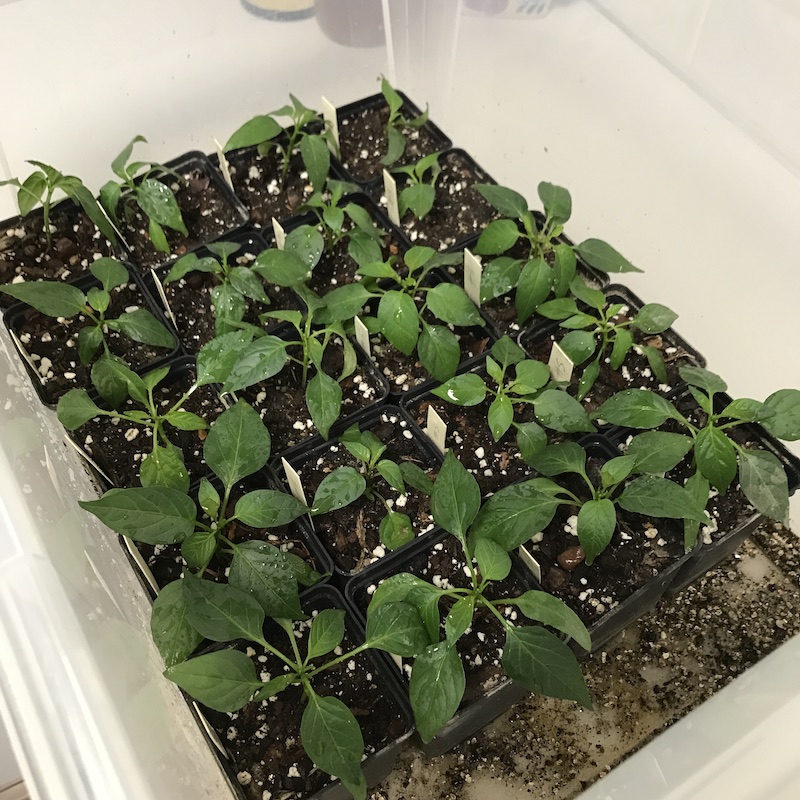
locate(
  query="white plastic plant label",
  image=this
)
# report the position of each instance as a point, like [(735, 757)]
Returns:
[(331, 122), (390, 190), (280, 234), (162, 295), (561, 365), (295, 484), (436, 429), (362, 335), (224, 167), (530, 562), (473, 272)]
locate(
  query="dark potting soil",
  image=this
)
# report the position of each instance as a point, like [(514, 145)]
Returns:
[(119, 446), (281, 403), (264, 738), (52, 344), (459, 210), (25, 255), (481, 647), (362, 142), (256, 181), (352, 534), (207, 214)]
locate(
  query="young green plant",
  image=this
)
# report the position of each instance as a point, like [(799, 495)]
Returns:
[(419, 193), (397, 124)]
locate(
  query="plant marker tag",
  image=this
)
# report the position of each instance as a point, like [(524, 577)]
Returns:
[(329, 115), (390, 190), (436, 429), (473, 272), (224, 167), (295, 484), (162, 295), (280, 234), (561, 365), (362, 335), (212, 734), (530, 562)]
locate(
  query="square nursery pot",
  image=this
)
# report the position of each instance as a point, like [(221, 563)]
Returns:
[(159, 565), (351, 535), (280, 400), (626, 580), (362, 138), (371, 686), (459, 213), (635, 372), (76, 243), (49, 347), (489, 692), (209, 208), (256, 182), (733, 518), (187, 301), (115, 448)]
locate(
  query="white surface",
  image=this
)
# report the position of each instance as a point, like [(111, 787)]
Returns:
[(9, 769), (653, 168)]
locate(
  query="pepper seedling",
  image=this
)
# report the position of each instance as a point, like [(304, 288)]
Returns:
[(419, 193), (139, 187), (530, 385), (306, 133), (718, 457), (397, 124), (58, 299), (40, 187)]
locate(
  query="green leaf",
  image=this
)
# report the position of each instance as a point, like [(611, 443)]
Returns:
[(30, 193), (556, 459), (337, 490), (76, 408), (451, 304), (396, 146), (597, 520), (531, 439), (456, 498), (698, 487), (198, 549), (175, 638), (578, 345), (593, 298), (216, 359), (560, 308), (237, 445), (90, 340), (493, 561), (109, 272), (390, 472), (615, 470), (118, 164), (364, 250), (578, 321), (261, 570), (224, 680), (415, 476), (499, 277), (316, 158), (274, 686), (530, 376), (257, 361), (497, 237), (185, 420), (209, 498), (396, 627), (51, 298), (506, 351), (157, 236), (746, 409), (189, 263), (419, 593), (542, 663), (534, 286), (460, 617), (81, 195), (164, 467), (110, 195), (327, 631), (324, 401), (158, 202), (282, 267), (305, 242), (399, 320), (556, 201), (543, 607), (654, 318), (418, 256), (623, 341), (267, 508), (258, 130), (244, 281), (142, 326), (587, 380), (508, 202), (436, 688), (110, 378), (600, 255), (561, 412), (98, 299), (222, 612), (396, 530), (764, 483), (715, 456), (564, 269), (500, 416), (785, 424), (658, 452), (150, 514), (467, 389), (657, 497), (333, 741), (703, 378), (343, 303), (417, 198), (439, 351), (636, 408)]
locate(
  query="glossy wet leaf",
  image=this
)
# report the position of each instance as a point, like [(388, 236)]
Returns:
[(261, 570), (456, 498), (508, 202), (267, 508), (53, 299), (327, 631), (324, 401), (785, 422), (467, 389), (142, 326), (158, 202), (222, 612), (164, 467), (654, 318), (439, 351), (497, 237), (396, 530), (257, 361), (636, 408), (459, 617), (561, 412), (216, 359), (543, 607), (451, 304), (533, 288), (597, 520), (715, 456), (76, 408), (337, 490), (396, 627), (493, 560), (175, 638), (436, 688), (399, 321), (658, 452), (658, 497)]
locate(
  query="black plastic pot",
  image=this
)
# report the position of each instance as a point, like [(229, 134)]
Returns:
[(193, 160), (371, 176), (473, 716), (377, 766), (16, 316), (428, 456)]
